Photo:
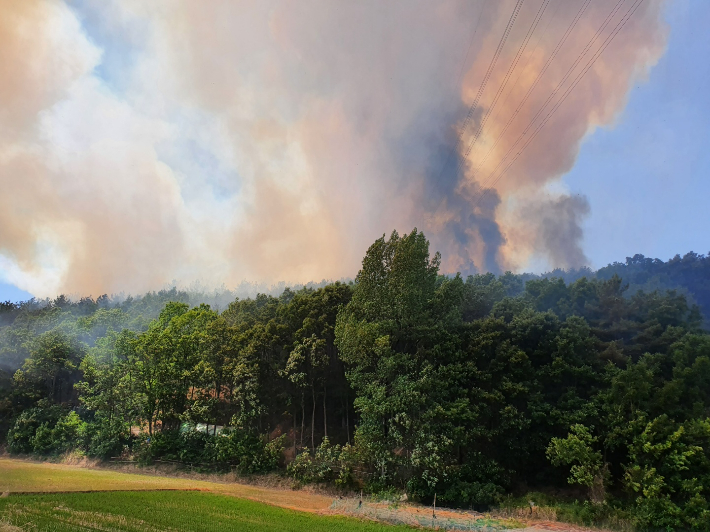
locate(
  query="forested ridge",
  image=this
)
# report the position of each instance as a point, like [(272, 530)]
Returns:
[(593, 383)]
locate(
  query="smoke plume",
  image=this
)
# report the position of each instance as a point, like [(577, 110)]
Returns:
[(142, 142)]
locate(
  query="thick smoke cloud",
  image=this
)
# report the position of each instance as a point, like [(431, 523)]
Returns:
[(142, 142), (555, 228)]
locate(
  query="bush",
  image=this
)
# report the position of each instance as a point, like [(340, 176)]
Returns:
[(669, 473), (105, 439), (45, 431), (274, 452), (196, 447), (330, 463), (478, 483), (248, 451), (587, 467), (160, 445), (43, 440), (21, 437), (68, 433)]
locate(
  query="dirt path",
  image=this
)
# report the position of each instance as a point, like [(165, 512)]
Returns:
[(443, 518)]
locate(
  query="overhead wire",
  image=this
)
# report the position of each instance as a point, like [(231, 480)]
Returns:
[(619, 26), (484, 82), (541, 72), (569, 72), (551, 96), (511, 68)]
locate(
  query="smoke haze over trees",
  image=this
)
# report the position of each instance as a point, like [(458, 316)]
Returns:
[(264, 141)]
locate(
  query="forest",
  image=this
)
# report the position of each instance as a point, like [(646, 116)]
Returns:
[(590, 384)]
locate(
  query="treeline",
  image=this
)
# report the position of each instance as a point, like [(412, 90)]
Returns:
[(689, 275), (464, 388)]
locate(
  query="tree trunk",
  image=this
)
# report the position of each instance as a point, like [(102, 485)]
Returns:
[(313, 419), (347, 418), (294, 430), (325, 416), (303, 415)]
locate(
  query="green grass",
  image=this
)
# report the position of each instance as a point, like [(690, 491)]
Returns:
[(164, 511), (17, 475), (609, 516)]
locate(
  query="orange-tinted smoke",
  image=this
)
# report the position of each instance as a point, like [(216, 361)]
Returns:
[(275, 140)]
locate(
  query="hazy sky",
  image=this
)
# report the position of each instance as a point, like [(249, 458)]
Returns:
[(146, 143), (648, 177)]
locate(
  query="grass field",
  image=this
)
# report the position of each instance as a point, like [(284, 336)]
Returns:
[(162, 511), (23, 476), (62, 504), (57, 497)]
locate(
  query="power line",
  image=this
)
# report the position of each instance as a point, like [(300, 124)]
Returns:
[(620, 25), (530, 55), (557, 88), (513, 65), (491, 66), (559, 85), (542, 71)]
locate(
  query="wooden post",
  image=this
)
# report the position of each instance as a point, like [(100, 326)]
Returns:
[(433, 511)]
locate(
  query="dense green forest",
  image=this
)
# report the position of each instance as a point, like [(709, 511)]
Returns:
[(595, 384)]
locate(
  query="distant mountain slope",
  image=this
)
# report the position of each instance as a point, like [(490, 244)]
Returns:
[(689, 274)]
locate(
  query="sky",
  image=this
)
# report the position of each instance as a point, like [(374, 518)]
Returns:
[(143, 144), (647, 177)]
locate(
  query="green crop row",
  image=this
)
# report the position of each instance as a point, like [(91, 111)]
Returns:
[(148, 511)]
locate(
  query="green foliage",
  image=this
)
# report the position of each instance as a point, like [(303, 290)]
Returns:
[(46, 431), (51, 369), (43, 441), (577, 450), (164, 444), (688, 274), (669, 472), (475, 483), (248, 451), (21, 436), (244, 450), (439, 385), (67, 433), (105, 438), (609, 515), (331, 463)]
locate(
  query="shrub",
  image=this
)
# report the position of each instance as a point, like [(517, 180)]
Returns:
[(248, 451), (196, 447), (105, 439), (68, 433), (587, 467), (43, 440), (478, 483), (163, 444), (330, 463), (20, 438)]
